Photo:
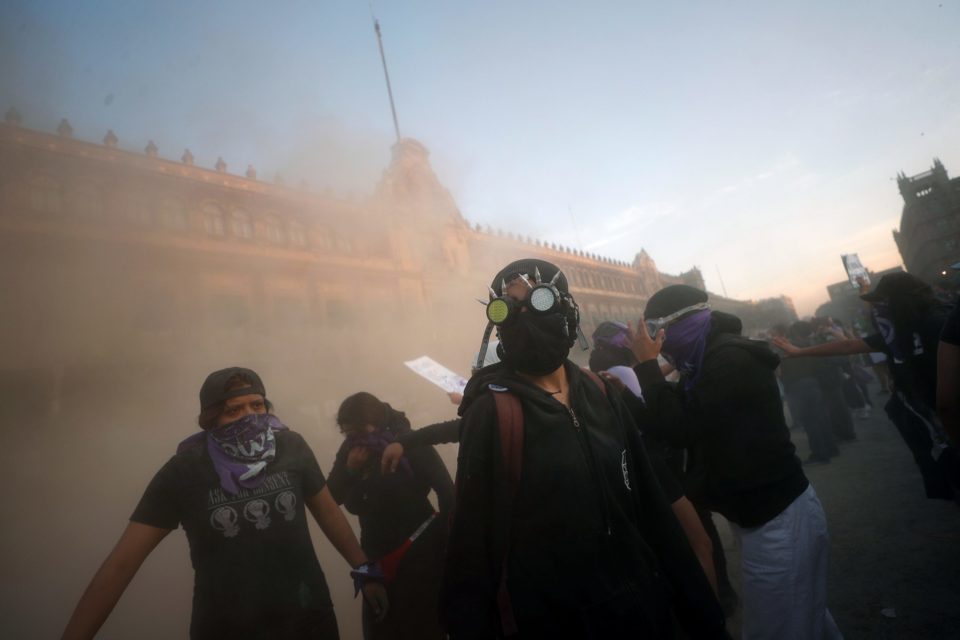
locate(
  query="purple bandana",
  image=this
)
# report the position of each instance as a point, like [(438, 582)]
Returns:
[(376, 441), (240, 450), (685, 343)]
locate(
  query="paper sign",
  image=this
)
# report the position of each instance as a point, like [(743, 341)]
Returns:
[(437, 374), (855, 270)]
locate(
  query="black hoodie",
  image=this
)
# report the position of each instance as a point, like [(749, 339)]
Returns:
[(592, 547), (742, 462)]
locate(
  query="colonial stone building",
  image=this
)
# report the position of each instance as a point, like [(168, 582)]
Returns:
[(929, 234), (122, 268)]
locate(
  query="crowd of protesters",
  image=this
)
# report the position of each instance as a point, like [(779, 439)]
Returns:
[(584, 497)]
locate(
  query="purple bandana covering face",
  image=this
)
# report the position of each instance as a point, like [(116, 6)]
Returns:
[(376, 441), (240, 450), (685, 343)]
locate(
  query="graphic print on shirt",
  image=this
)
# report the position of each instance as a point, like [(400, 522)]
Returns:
[(257, 511), (224, 520), (286, 503), (225, 508), (626, 470)]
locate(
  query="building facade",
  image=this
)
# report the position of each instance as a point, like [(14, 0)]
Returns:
[(121, 267), (929, 234)]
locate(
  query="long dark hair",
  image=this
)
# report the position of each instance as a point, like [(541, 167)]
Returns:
[(364, 408)]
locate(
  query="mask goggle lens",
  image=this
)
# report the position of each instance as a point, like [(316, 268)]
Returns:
[(498, 311), (542, 299)]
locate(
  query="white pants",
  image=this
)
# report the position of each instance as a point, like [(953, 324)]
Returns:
[(784, 565)]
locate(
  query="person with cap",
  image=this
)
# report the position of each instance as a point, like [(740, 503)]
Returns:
[(727, 412), (560, 528), (398, 525), (948, 374), (908, 320), (240, 488)]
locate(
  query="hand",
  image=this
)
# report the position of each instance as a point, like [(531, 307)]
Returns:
[(789, 350), (613, 380), (357, 458), (455, 398), (391, 458), (643, 346), (376, 596)]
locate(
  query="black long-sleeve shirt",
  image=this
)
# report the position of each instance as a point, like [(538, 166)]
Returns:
[(391, 507)]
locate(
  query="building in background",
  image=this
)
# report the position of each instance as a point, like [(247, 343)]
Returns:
[(929, 234), (122, 269)]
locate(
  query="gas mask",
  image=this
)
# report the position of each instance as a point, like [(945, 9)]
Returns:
[(536, 333)]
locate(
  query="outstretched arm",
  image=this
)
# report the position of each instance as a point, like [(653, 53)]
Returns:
[(335, 527), (848, 347), (110, 581), (337, 530)]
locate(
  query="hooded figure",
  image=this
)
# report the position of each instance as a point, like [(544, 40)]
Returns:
[(726, 410), (398, 525), (582, 543)]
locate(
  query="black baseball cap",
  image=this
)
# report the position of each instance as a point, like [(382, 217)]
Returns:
[(672, 299), (214, 389), (896, 285)]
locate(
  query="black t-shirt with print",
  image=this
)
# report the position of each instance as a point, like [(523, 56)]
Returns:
[(916, 373), (252, 555)]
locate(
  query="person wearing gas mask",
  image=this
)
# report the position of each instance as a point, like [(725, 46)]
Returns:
[(560, 528), (727, 412), (240, 488)]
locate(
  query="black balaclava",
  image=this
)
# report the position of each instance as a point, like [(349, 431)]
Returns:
[(537, 344)]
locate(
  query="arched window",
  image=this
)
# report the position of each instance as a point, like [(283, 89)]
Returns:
[(173, 217), (298, 237), (240, 224), (139, 212), (88, 200), (213, 220), (45, 195), (273, 230)]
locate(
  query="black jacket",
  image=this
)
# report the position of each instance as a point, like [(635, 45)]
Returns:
[(591, 544), (391, 507), (742, 463)]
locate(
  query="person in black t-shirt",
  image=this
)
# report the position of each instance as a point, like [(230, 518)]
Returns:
[(240, 489), (948, 375), (908, 320), (398, 525)]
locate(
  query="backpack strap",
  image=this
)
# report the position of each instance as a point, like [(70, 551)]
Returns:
[(597, 380), (510, 423)]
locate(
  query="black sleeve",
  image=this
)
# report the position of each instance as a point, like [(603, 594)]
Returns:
[(343, 482), (695, 604), (312, 477), (636, 413), (427, 464), (158, 507), (669, 483), (876, 342), (951, 330), (439, 433), (662, 415), (471, 572)]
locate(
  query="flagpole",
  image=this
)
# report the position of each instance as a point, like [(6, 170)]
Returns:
[(386, 74)]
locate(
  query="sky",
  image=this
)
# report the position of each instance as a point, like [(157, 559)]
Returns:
[(756, 140)]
